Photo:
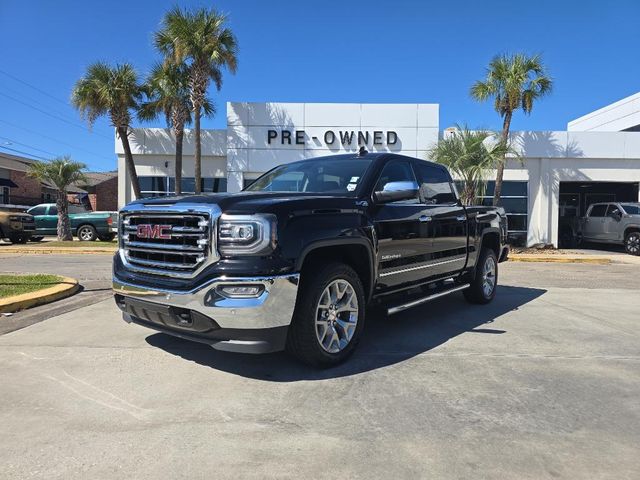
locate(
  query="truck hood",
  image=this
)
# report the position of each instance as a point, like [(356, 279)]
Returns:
[(255, 202)]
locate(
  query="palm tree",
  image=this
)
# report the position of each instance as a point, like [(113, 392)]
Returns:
[(61, 172), (167, 92), (514, 82), (113, 91), (200, 40), (470, 155)]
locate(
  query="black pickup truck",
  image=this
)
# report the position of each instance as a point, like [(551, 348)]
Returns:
[(294, 260)]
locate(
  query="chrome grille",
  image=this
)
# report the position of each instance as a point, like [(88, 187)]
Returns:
[(170, 243)]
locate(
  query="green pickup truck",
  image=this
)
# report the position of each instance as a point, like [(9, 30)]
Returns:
[(85, 225)]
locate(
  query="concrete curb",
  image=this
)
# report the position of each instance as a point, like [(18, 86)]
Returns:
[(67, 287), (559, 259), (59, 251)]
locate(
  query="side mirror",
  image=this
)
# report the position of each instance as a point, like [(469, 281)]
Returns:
[(396, 191)]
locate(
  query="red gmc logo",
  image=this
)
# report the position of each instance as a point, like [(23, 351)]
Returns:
[(145, 230)]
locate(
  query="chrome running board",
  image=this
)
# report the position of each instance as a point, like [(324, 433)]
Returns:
[(428, 298)]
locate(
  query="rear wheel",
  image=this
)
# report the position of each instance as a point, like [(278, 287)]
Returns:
[(86, 233), (19, 239), (329, 316), (483, 287), (632, 243), (36, 239)]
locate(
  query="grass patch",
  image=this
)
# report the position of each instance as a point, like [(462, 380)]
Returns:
[(11, 285)]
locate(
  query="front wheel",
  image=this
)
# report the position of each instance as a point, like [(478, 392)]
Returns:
[(87, 233), (483, 287), (329, 316), (632, 243)]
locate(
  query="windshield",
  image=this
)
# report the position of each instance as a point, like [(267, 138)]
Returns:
[(631, 209), (314, 176)]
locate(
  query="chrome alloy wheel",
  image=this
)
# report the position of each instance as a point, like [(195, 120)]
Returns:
[(85, 233), (633, 243), (489, 276), (336, 316)]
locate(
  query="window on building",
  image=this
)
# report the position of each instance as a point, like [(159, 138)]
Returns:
[(247, 182), (435, 185), (4, 195), (514, 199), (162, 186)]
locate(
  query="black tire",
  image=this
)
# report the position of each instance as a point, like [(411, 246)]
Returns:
[(632, 243), (302, 340), (19, 239), (107, 237), (36, 239), (476, 293), (86, 233)]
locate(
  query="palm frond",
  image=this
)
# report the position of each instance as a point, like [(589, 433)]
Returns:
[(61, 172)]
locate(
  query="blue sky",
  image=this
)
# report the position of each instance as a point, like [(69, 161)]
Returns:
[(322, 51)]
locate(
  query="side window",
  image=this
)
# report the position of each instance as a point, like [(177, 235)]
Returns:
[(77, 209), (613, 210), (53, 210), (435, 184), (396, 172), (37, 211), (598, 211)]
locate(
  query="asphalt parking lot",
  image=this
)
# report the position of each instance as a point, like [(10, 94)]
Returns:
[(542, 383)]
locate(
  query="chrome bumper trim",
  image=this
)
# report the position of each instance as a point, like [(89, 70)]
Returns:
[(272, 308)]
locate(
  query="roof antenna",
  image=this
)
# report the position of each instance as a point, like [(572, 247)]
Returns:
[(362, 151)]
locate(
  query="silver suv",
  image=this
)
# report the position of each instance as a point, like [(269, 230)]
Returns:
[(617, 223)]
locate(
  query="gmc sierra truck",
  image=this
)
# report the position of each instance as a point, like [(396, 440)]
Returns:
[(294, 260)]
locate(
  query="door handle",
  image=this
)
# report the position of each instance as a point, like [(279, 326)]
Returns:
[(425, 218), (461, 218)]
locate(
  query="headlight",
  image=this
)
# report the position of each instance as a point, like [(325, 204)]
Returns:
[(246, 234)]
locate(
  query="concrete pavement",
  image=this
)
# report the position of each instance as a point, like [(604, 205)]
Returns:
[(542, 383)]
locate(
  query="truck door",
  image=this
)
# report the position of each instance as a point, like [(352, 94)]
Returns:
[(39, 215), (448, 220), (612, 231), (593, 228), (403, 230), (50, 220)]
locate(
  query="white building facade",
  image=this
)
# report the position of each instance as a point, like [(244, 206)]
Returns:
[(561, 173)]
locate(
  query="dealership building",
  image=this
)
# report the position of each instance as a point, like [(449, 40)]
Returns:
[(560, 173)]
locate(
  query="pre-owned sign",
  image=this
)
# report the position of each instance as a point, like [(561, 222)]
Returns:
[(331, 137)]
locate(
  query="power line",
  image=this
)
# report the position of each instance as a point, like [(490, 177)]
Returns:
[(24, 153), (28, 146), (34, 87), (73, 124), (56, 140)]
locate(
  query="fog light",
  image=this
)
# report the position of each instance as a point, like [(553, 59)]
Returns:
[(241, 291)]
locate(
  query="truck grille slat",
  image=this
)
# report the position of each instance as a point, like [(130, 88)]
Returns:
[(167, 243)]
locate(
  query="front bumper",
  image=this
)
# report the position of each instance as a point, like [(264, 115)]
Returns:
[(254, 325)]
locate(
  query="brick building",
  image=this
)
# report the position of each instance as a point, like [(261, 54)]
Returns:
[(19, 191)]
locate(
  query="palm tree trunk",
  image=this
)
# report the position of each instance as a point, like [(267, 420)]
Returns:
[(64, 225), (198, 152), (500, 171), (179, 132), (131, 167)]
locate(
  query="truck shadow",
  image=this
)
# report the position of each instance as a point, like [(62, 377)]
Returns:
[(386, 340)]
